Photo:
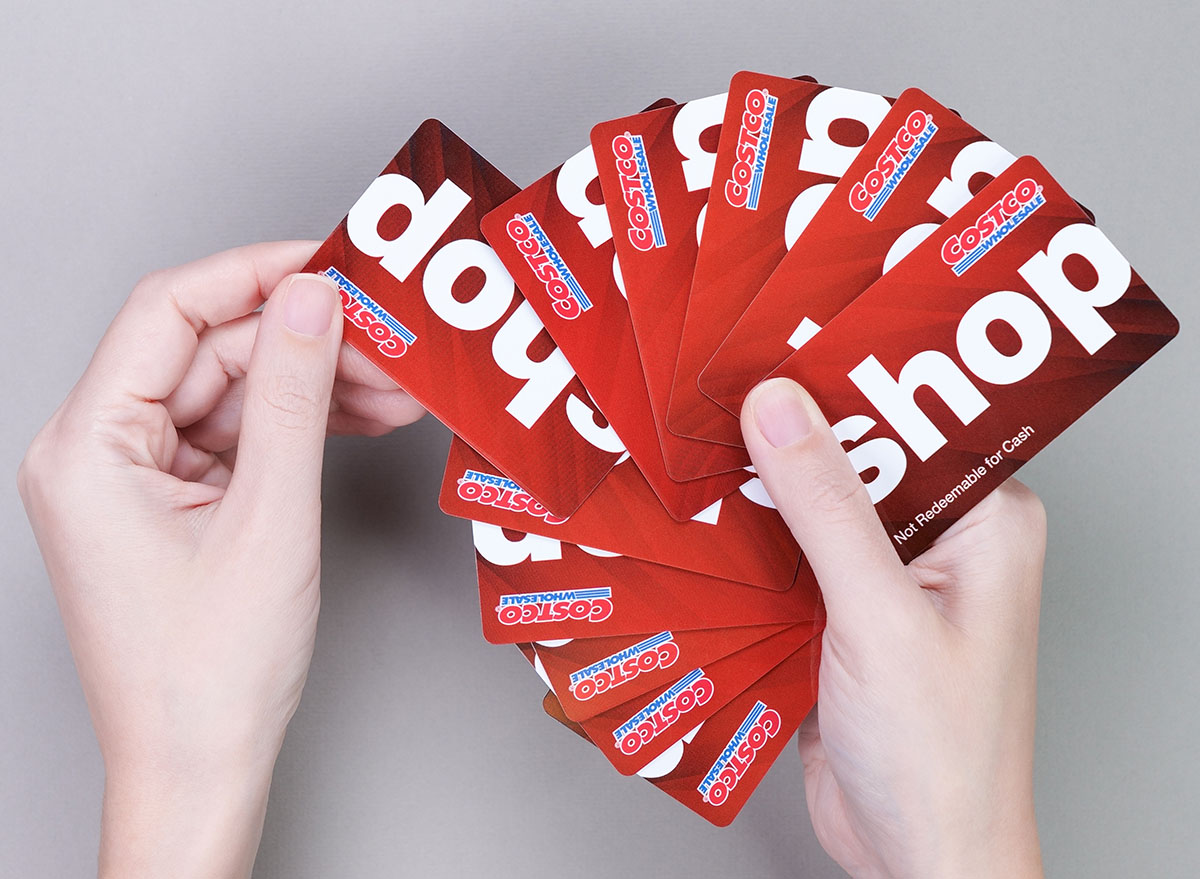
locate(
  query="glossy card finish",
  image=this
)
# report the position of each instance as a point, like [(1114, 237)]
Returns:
[(592, 675), (783, 145), (556, 242), (986, 342), (717, 765), (636, 732), (428, 302), (741, 537), (524, 578), (655, 169), (933, 161)]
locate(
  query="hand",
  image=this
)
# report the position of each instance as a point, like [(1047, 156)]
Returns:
[(919, 759), (188, 583)]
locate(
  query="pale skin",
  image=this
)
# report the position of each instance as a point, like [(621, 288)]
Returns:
[(919, 759), (175, 496)]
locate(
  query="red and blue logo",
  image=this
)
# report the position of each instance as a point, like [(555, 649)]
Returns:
[(548, 266), (637, 188), (963, 250), (870, 194), (690, 691), (657, 651), (744, 185), (584, 605), (503, 494), (760, 726), (389, 335)]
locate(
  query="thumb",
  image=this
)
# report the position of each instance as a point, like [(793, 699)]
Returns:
[(825, 504), (277, 475)]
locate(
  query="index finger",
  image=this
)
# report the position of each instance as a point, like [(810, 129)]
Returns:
[(152, 340)]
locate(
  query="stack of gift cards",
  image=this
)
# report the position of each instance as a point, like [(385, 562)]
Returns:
[(590, 339)]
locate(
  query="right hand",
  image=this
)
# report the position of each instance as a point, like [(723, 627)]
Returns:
[(919, 759)]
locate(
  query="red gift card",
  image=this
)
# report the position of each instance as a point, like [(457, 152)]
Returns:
[(553, 707), (921, 166), (715, 772), (592, 675), (428, 302), (740, 537), (535, 588), (715, 768), (783, 146), (636, 732), (557, 244), (984, 344), (655, 169)]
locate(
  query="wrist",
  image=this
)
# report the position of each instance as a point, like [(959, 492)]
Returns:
[(1006, 852), (199, 816)]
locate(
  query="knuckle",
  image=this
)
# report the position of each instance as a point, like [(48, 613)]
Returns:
[(831, 492), (1034, 513), (27, 472), (291, 401), (150, 284), (1024, 511), (143, 432), (36, 467)]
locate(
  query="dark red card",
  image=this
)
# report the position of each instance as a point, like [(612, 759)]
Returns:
[(524, 580), (741, 537), (636, 732), (934, 161), (592, 675), (655, 169), (783, 145), (429, 303), (716, 766), (557, 243), (717, 771), (981, 346)]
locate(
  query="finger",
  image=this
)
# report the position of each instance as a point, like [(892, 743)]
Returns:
[(355, 368), (223, 356), (820, 496), (197, 465), (394, 408), (221, 359), (345, 424), (354, 410), (219, 429), (152, 340), (277, 481)]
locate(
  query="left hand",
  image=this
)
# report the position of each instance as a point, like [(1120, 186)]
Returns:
[(175, 496)]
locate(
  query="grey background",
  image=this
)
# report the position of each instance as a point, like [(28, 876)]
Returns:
[(138, 134)]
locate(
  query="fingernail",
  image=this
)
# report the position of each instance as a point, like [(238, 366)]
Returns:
[(780, 413), (308, 305)]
